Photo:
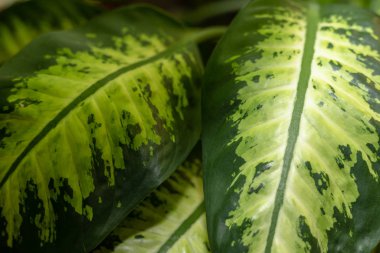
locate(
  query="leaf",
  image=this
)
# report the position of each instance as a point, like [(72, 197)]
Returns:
[(291, 130), (91, 121), (171, 219), (22, 22)]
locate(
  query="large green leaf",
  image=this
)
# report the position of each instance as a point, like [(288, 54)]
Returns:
[(171, 219), (91, 121), (291, 130), (22, 22)]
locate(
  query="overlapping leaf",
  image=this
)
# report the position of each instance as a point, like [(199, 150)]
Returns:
[(91, 121), (171, 219), (22, 22), (291, 130)]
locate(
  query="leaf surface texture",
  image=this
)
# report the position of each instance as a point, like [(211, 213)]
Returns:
[(291, 130), (91, 121)]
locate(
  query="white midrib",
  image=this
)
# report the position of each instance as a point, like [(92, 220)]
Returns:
[(293, 131)]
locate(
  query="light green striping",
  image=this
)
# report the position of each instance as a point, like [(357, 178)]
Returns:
[(263, 118), (156, 221), (335, 126), (307, 58), (119, 113)]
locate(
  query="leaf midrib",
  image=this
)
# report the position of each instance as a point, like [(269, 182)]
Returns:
[(182, 229), (293, 131), (91, 90)]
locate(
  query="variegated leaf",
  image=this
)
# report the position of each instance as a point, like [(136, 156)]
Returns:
[(22, 22), (171, 219), (291, 130), (91, 121)]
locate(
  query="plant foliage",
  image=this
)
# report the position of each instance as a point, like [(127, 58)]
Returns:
[(171, 219), (23, 22), (96, 120), (291, 130), (92, 120)]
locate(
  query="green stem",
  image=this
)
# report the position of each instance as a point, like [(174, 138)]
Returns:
[(214, 9), (205, 34)]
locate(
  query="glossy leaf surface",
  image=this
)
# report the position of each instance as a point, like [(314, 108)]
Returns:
[(171, 219), (22, 22), (91, 121), (291, 130)]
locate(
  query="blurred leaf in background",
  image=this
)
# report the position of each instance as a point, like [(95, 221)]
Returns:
[(23, 21), (171, 219), (194, 12), (6, 3)]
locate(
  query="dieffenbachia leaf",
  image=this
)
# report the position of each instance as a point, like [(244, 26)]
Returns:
[(22, 22), (291, 130), (91, 121), (170, 220)]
